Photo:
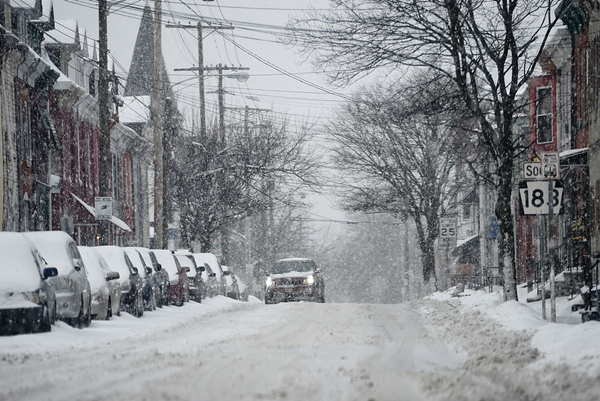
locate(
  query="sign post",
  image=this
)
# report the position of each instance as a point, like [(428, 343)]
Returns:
[(541, 194), (551, 171), (447, 238)]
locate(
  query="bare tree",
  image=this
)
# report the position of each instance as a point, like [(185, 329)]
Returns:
[(488, 47), (219, 183), (398, 147)]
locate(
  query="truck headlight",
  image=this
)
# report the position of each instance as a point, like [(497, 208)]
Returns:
[(310, 279), (269, 281)]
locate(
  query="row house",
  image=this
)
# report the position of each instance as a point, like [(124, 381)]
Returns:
[(563, 118), (50, 127)]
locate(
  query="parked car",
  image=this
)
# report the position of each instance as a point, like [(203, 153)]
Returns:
[(71, 285), (232, 288), (132, 298), (146, 273), (196, 283), (244, 290), (215, 284), (295, 279), (178, 280), (27, 300), (211, 286), (160, 275), (106, 291)]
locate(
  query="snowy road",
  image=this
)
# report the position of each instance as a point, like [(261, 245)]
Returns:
[(224, 350), (230, 350)]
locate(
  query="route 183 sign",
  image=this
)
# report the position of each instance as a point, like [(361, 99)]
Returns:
[(534, 197)]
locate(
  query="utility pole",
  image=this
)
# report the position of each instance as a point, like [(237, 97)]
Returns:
[(157, 120), (551, 243), (200, 68), (104, 116), (221, 92)]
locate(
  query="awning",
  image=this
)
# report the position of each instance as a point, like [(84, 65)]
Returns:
[(113, 219), (464, 243)]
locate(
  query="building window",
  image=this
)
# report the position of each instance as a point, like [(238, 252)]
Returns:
[(544, 115)]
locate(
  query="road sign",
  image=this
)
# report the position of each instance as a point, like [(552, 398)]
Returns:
[(448, 227), (534, 197), (550, 165), (445, 243), (447, 238), (532, 171), (103, 206)]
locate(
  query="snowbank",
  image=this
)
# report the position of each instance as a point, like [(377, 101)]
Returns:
[(514, 353)]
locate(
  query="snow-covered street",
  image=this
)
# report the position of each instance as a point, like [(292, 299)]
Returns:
[(438, 348)]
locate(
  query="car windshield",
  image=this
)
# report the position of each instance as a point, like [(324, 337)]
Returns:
[(292, 266)]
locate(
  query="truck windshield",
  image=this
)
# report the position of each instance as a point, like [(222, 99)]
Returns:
[(292, 266)]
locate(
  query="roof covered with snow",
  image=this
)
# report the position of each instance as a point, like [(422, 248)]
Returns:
[(19, 270), (54, 248)]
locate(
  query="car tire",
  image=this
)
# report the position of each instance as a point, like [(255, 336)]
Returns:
[(140, 307), (78, 321), (167, 298), (88, 315), (108, 310), (46, 320), (53, 316)]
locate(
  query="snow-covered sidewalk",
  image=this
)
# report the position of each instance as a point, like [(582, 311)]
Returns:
[(513, 354)]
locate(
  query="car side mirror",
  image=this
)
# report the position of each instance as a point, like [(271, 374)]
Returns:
[(212, 275), (201, 268), (50, 272), (226, 273), (148, 270), (112, 276), (318, 270), (186, 269), (78, 264), (135, 271), (158, 267)]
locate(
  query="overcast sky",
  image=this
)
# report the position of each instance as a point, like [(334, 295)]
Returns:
[(276, 71), (256, 24)]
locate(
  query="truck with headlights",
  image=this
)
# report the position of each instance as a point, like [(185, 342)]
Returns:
[(294, 279)]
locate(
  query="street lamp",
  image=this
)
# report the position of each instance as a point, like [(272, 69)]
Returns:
[(241, 76)]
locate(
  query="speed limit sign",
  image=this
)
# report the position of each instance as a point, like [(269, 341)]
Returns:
[(534, 197)]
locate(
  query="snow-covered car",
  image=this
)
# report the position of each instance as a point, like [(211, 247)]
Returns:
[(196, 283), (131, 284), (27, 300), (211, 286), (71, 285), (160, 275), (215, 284), (295, 279), (244, 289), (145, 272), (232, 289), (178, 280), (106, 292)]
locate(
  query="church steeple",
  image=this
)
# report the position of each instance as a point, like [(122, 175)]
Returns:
[(141, 71)]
